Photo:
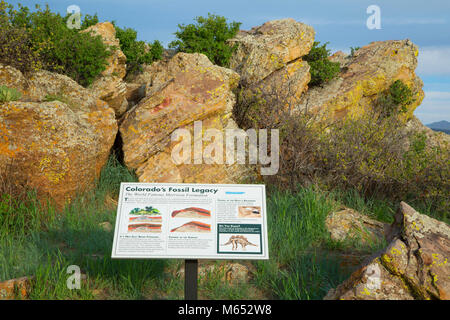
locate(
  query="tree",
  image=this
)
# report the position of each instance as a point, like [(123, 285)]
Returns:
[(208, 36)]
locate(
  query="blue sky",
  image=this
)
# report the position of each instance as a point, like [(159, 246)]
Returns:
[(340, 22)]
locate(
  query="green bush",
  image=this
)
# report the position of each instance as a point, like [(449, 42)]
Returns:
[(208, 36), (8, 94), (395, 99), (322, 70), (43, 38), (15, 43), (137, 52), (88, 21)]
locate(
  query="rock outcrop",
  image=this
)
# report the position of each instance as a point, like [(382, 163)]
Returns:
[(366, 74), (415, 265), (110, 87), (269, 60), (270, 47), (179, 91), (57, 137)]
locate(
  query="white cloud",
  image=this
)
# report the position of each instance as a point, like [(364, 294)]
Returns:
[(434, 61)]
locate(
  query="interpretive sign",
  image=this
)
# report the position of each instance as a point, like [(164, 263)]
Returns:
[(191, 221)]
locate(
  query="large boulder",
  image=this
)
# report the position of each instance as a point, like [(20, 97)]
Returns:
[(414, 265), (270, 47), (57, 137), (179, 91), (112, 90), (110, 86), (269, 61), (366, 74), (349, 225)]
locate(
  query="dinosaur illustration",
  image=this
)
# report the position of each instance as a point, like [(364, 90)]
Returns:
[(236, 240)]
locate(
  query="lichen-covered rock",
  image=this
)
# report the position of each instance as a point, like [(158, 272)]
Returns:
[(15, 288), (348, 224), (181, 90), (135, 93), (57, 137), (284, 86), (369, 72), (415, 265), (270, 47), (112, 90)]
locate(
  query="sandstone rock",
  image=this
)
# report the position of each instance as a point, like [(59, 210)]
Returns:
[(135, 93), (57, 138), (369, 72), (112, 90), (284, 86), (43, 86), (181, 90), (349, 224), (414, 266), (15, 288), (269, 47)]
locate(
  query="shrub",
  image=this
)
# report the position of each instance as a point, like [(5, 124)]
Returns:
[(137, 52), (395, 99), (88, 21), (8, 94), (373, 154), (15, 43), (322, 70), (209, 37), (16, 50), (41, 39)]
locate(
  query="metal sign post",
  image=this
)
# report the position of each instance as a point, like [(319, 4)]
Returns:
[(190, 279)]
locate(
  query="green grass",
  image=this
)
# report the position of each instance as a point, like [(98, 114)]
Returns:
[(299, 268), (38, 241)]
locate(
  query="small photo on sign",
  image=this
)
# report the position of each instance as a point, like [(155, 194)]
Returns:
[(249, 212), (193, 226), (148, 210), (233, 243), (191, 212), (144, 227)]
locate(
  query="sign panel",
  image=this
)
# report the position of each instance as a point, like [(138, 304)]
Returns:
[(191, 221)]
